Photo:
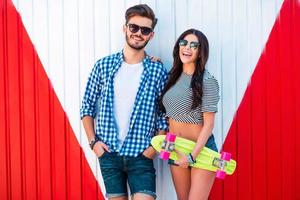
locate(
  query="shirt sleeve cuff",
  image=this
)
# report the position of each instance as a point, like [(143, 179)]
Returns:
[(162, 124), (84, 113)]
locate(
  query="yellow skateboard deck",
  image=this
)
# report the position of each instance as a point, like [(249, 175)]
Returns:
[(207, 159)]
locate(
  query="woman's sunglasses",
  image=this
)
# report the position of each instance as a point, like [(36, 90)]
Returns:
[(135, 28), (193, 45)]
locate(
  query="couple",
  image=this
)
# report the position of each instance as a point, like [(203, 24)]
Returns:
[(138, 99)]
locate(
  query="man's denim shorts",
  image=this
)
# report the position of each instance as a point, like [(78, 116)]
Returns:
[(117, 171), (209, 144)]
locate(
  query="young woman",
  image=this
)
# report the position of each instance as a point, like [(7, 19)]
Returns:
[(190, 101)]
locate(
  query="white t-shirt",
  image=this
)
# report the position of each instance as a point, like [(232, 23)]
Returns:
[(126, 84)]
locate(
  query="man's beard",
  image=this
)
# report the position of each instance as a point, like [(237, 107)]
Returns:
[(136, 47)]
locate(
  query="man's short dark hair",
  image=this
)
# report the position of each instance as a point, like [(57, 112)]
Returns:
[(142, 10)]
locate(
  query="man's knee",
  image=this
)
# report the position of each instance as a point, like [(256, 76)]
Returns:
[(145, 195)]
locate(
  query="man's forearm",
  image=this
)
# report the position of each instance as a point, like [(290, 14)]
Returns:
[(161, 132), (88, 124)]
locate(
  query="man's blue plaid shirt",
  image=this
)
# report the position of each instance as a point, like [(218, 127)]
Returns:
[(145, 120)]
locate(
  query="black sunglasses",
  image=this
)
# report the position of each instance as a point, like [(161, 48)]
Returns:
[(135, 28), (193, 45)]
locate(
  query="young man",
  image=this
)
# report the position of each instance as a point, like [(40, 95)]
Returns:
[(126, 85)]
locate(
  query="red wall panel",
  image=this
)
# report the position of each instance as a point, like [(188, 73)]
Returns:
[(264, 135), (41, 158), (4, 168), (29, 142), (14, 106), (295, 66)]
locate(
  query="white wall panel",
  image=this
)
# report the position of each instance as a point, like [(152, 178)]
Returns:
[(102, 28), (165, 30), (227, 56), (241, 48), (181, 17), (117, 20), (71, 35), (40, 33), (56, 32), (71, 62)]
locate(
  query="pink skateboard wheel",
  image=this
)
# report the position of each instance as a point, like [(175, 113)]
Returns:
[(164, 155), (170, 137), (220, 174), (225, 156)]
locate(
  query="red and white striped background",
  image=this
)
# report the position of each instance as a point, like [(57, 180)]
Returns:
[(45, 157)]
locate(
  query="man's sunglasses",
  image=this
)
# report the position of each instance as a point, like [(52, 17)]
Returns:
[(193, 45), (135, 28)]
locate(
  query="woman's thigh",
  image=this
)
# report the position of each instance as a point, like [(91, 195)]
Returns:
[(182, 181), (201, 184)]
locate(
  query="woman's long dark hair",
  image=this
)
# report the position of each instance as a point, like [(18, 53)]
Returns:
[(197, 78)]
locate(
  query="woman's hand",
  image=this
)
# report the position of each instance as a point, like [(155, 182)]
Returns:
[(183, 160)]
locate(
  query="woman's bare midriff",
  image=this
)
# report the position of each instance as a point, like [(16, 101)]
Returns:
[(185, 130)]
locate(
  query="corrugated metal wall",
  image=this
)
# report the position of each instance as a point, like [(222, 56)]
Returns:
[(265, 131), (40, 155), (71, 35), (41, 136)]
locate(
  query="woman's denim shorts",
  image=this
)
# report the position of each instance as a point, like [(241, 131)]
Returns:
[(209, 144)]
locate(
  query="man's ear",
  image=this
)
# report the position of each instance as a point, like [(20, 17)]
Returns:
[(151, 35), (124, 28)]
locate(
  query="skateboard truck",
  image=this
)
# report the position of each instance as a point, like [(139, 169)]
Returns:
[(170, 146), (167, 146), (221, 163)]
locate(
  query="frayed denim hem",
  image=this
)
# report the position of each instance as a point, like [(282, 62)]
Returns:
[(115, 195), (148, 192)]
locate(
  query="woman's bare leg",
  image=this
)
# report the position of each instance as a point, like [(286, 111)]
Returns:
[(201, 184), (182, 181)]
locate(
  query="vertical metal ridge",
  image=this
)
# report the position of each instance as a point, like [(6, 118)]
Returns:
[(21, 107), (6, 103)]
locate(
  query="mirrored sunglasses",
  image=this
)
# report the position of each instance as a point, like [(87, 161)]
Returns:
[(193, 45)]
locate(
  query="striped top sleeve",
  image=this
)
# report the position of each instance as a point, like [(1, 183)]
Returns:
[(210, 96)]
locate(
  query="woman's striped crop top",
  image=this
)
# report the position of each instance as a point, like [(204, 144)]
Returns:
[(178, 99)]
